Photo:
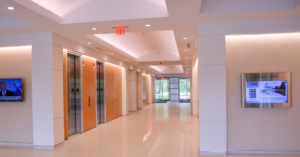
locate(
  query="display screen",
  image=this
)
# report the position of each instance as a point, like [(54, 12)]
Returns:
[(266, 91), (11, 90)]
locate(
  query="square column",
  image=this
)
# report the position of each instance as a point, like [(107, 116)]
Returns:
[(125, 100), (132, 91), (47, 95), (194, 89), (139, 80), (212, 95)]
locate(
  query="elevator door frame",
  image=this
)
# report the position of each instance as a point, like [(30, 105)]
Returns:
[(101, 105), (78, 101)]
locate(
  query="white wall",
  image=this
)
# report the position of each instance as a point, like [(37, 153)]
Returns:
[(16, 117), (262, 129), (217, 31)]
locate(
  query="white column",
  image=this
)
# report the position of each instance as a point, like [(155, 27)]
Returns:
[(47, 95), (132, 90), (140, 90), (212, 94), (125, 100), (194, 91)]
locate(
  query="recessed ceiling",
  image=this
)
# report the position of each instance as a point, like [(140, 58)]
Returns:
[(180, 18), (168, 69), (144, 46), (79, 11)]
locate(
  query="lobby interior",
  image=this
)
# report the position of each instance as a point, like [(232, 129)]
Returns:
[(92, 76)]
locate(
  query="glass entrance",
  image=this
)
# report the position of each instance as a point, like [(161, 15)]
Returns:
[(184, 85), (162, 89)]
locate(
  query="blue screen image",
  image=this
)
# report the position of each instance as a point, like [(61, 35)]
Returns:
[(11, 89)]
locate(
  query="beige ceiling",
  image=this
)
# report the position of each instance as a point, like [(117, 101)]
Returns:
[(144, 46), (179, 16)]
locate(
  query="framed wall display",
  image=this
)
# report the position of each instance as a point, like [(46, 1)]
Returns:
[(266, 90)]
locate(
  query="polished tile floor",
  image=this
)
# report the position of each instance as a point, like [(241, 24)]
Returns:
[(158, 130)]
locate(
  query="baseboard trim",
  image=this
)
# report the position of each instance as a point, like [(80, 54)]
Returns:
[(283, 152), (49, 147), (16, 144), (212, 153)]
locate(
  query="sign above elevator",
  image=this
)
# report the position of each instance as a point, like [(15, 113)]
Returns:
[(120, 30)]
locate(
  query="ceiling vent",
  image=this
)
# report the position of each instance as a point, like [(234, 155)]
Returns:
[(99, 49), (188, 45)]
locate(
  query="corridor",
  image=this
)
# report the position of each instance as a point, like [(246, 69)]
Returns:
[(158, 130)]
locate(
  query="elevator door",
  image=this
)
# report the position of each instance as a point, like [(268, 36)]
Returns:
[(74, 95), (100, 94)]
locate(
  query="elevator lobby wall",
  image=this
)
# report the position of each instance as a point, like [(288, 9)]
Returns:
[(16, 117), (113, 94), (270, 128), (41, 120)]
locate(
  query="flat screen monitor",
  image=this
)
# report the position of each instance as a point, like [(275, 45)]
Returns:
[(266, 90), (11, 89)]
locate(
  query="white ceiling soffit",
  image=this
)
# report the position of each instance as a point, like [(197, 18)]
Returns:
[(82, 11), (144, 46), (244, 6), (168, 69), (8, 22)]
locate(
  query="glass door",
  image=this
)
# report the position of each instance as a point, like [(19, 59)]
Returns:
[(184, 85), (165, 89), (162, 89), (158, 90)]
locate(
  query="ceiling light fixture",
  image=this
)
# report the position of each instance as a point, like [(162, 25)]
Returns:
[(94, 29), (89, 43), (184, 38), (147, 25), (185, 50), (111, 53), (10, 8)]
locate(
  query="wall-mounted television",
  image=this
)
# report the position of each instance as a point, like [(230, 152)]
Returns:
[(11, 89), (266, 90)]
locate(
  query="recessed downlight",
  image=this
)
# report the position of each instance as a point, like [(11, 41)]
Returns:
[(89, 43), (147, 25), (10, 8), (184, 38), (185, 50), (111, 53), (94, 29)]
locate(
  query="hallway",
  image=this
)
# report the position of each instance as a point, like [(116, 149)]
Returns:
[(165, 129)]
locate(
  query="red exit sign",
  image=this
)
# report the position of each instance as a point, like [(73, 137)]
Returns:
[(187, 75), (120, 31), (159, 75)]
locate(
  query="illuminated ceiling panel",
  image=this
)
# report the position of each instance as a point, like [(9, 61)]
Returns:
[(169, 69), (144, 46), (81, 11)]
